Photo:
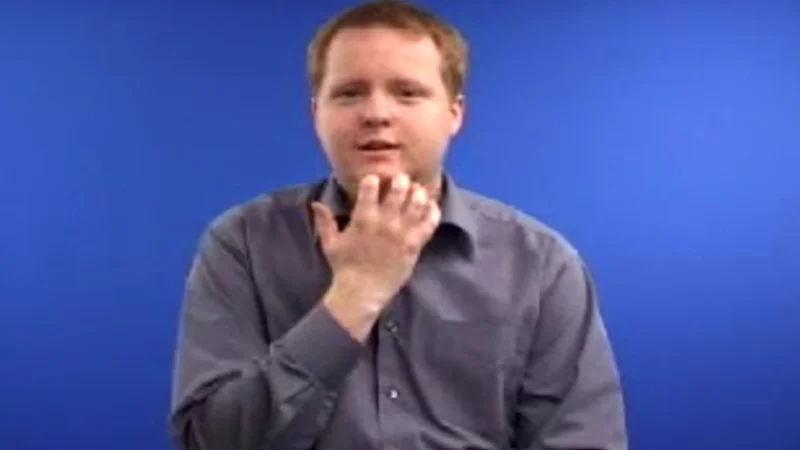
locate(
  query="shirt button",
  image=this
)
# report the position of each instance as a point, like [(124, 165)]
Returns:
[(391, 326), (393, 394)]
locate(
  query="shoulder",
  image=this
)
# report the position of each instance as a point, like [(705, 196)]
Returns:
[(532, 250), (261, 213), (506, 226)]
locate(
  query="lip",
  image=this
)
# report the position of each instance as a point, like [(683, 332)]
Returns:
[(383, 151), (377, 156), (377, 153), (362, 143), (394, 148)]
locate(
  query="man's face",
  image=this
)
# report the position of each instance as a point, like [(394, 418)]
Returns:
[(383, 107)]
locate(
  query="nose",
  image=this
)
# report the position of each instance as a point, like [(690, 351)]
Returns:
[(376, 111)]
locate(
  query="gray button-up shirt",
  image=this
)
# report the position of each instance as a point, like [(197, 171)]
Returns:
[(496, 341)]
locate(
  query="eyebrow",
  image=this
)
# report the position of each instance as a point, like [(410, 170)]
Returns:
[(395, 81)]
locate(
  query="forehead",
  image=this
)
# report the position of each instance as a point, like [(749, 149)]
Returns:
[(379, 50)]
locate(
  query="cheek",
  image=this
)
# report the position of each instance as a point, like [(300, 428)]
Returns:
[(437, 130), (333, 128)]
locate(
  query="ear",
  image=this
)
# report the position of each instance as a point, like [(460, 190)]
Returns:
[(457, 110), (314, 111), (313, 105)]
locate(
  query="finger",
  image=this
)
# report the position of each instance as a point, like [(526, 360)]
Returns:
[(417, 205), (432, 219), (367, 198), (424, 229), (411, 190), (397, 195), (324, 224)]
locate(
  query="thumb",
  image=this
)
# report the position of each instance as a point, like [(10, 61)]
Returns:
[(324, 223)]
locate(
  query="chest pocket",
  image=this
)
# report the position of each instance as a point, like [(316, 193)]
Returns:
[(470, 365)]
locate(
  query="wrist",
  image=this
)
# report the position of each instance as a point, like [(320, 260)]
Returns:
[(353, 291), (354, 309)]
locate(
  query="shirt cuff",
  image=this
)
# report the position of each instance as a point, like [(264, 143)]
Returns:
[(322, 347)]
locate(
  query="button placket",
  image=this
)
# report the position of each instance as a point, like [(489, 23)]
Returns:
[(389, 345)]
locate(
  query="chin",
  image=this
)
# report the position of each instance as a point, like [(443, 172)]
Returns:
[(383, 171)]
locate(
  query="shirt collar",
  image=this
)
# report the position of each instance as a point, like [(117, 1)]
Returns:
[(456, 211)]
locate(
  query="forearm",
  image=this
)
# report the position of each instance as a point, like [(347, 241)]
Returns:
[(248, 412), (280, 400), (239, 385)]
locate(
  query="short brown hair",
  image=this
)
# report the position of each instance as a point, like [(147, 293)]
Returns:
[(400, 15)]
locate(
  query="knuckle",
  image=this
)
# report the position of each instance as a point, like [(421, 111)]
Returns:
[(358, 224), (364, 219), (396, 228), (413, 240), (409, 247)]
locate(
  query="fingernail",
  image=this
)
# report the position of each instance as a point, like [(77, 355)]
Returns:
[(402, 180), (370, 180), (419, 195)]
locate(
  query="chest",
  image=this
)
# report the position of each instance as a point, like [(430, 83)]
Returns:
[(452, 308)]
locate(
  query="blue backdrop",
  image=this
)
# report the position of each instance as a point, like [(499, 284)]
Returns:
[(664, 142)]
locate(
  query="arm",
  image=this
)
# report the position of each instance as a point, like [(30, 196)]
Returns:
[(232, 388), (570, 397)]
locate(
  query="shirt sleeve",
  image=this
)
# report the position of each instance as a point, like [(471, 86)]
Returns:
[(232, 387), (571, 396)]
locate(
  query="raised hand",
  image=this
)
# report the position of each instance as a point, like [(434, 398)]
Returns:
[(375, 254)]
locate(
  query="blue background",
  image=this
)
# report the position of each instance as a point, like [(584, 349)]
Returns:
[(663, 141)]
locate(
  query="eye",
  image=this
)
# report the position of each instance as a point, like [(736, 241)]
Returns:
[(410, 93), (346, 93)]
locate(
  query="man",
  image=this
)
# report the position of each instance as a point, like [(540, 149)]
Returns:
[(386, 307)]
